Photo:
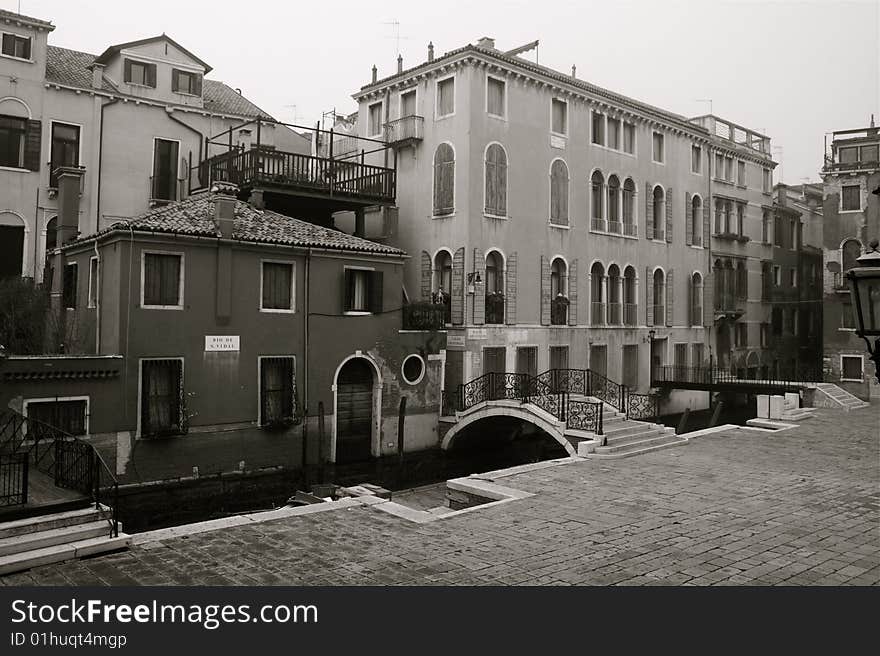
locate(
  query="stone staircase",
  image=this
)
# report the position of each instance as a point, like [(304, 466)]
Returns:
[(830, 395), (625, 437), (45, 539)]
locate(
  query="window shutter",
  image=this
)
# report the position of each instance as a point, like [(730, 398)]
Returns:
[(457, 301), (688, 219), (175, 79), (491, 183), (198, 85), (545, 291), (649, 211), (151, 75), (347, 290), (480, 288), (573, 293), (127, 74), (649, 296), (669, 202), (375, 291), (32, 141), (709, 299), (510, 289), (707, 226), (426, 277), (670, 298)]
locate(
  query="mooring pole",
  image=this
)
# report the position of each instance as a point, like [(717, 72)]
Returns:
[(682, 423)]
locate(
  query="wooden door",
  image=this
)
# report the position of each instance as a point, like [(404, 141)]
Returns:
[(354, 412)]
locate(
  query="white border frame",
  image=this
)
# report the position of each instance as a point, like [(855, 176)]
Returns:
[(860, 208), (259, 385), (92, 301), (403, 92), (454, 179), (145, 62), (593, 114), (153, 167), (29, 37), (180, 282), (437, 82), (370, 106), (140, 394), (487, 214), (567, 225), (700, 148), (292, 310), (861, 358), (357, 313), (421, 376), (553, 132), (376, 423), (662, 162), (52, 399), (79, 156), (497, 78)]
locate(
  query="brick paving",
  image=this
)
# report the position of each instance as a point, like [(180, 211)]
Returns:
[(799, 507)]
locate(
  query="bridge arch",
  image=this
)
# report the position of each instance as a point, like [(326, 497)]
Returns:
[(508, 409)]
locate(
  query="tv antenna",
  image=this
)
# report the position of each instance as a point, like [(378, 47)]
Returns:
[(295, 113), (778, 149), (396, 37), (706, 100)]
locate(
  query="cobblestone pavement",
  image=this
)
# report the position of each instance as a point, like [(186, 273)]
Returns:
[(739, 507)]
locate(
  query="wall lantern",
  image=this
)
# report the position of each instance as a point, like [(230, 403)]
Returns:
[(473, 279), (864, 284)]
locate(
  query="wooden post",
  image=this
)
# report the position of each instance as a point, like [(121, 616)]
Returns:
[(716, 414), (322, 451), (682, 423), (401, 438), (305, 435)]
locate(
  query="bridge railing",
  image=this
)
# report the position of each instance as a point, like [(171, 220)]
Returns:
[(585, 415), (724, 375)]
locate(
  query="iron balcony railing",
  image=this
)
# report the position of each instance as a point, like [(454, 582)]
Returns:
[(597, 225), (495, 308), (614, 227), (597, 313), (559, 311), (424, 316), (659, 315), (13, 479), (614, 314), (630, 229), (714, 375), (407, 128), (630, 314)]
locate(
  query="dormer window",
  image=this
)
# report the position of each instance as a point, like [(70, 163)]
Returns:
[(17, 46), (186, 82), (140, 73)]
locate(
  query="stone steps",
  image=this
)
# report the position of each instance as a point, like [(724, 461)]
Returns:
[(638, 447), (633, 438), (841, 397)]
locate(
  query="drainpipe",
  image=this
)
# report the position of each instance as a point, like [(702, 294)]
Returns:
[(101, 162), (97, 299), (305, 370), (194, 131)]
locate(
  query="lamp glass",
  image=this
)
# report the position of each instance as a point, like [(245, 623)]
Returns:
[(865, 290)]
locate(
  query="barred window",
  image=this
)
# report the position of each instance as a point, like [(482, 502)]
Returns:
[(68, 416), (162, 407), (277, 390)]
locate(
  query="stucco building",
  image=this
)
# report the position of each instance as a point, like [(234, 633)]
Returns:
[(134, 118)]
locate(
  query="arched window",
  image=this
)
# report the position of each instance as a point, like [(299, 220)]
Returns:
[(558, 292), (597, 297), (696, 221), (659, 283), (696, 299), (597, 183), (51, 234), (496, 180), (851, 251), (742, 281), (629, 192), (494, 288), (444, 180), (614, 309), (443, 283), (630, 305), (559, 193), (613, 204), (659, 212)]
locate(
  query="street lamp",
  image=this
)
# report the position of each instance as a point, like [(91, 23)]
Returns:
[(651, 334), (864, 283)]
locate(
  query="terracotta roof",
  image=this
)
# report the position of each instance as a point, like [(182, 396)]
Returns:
[(195, 216), (71, 68), (12, 16)]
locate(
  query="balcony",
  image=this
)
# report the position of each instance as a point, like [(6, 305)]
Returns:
[(630, 229), (405, 131), (731, 236), (495, 308), (696, 315), (597, 313), (597, 225), (559, 311), (425, 316), (659, 315), (614, 227), (614, 314), (630, 314)]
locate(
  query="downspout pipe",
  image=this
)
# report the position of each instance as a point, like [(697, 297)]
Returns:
[(101, 162), (305, 370), (191, 129)]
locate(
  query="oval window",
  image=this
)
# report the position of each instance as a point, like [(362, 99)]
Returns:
[(413, 369)]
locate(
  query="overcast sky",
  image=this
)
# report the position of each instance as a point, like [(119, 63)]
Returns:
[(793, 70)]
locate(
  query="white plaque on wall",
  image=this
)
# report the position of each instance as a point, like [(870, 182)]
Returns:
[(222, 342)]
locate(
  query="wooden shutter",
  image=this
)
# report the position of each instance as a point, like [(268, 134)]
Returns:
[(198, 85), (175, 79), (707, 222), (480, 288), (670, 298), (457, 301), (709, 299), (688, 219), (126, 76), (649, 211), (375, 291), (510, 289), (649, 297), (151, 75), (426, 277), (573, 293), (669, 196), (347, 290), (545, 291), (32, 141)]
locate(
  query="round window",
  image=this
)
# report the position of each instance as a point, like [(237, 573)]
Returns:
[(413, 369)]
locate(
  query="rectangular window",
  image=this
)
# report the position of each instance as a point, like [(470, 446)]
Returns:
[(697, 355), (277, 390), (598, 128), (613, 126), (363, 291), (777, 275), (851, 367), (631, 366), (527, 360), (140, 73), (740, 218), (728, 169), (741, 334), (70, 416), (162, 408), (765, 334), (163, 184), (16, 46), (792, 235), (12, 138), (870, 153), (559, 119), (446, 97), (679, 355), (849, 155), (719, 166), (776, 321), (792, 277), (495, 97), (847, 316), (162, 280), (277, 286), (767, 181), (777, 232), (93, 282), (375, 125), (741, 174), (765, 228), (69, 290), (851, 198), (65, 149), (696, 159), (629, 138), (186, 82), (657, 152), (408, 103)]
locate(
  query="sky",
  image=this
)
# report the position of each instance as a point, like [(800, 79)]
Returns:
[(792, 70)]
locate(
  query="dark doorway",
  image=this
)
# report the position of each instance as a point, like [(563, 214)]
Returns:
[(11, 250), (599, 359), (354, 412), (164, 181)]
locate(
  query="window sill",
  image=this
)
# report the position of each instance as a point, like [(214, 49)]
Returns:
[(18, 59), (137, 84), (184, 93), (15, 169), (451, 215), (851, 211), (161, 307), (357, 313), (559, 226), (846, 330), (654, 161), (278, 311), (440, 117), (500, 217), (698, 247), (852, 380), (497, 117)]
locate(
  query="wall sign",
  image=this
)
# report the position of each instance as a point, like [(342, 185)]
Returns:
[(222, 343), (455, 342), (476, 333)]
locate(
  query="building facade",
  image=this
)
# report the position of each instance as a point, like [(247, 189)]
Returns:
[(134, 118), (850, 174)]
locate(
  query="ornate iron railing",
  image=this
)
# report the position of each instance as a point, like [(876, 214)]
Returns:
[(559, 311), (424, 316), (13, 479), (492, 387), (542, 394), (641, 406), (605, 389), (407, 128), (614, 314), (585, 415)]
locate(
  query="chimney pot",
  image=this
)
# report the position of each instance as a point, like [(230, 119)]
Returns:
[(224, 209), (430, 51), (97, 76), (574, 70), (69, 181), (375, 73), (400, 63), (487, 42)]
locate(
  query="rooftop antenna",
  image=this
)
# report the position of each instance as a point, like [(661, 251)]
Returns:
[(396, 36), (706, 100), (295, 113), (781, 165)]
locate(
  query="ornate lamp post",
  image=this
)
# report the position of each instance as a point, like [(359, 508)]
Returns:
[(864, 283)]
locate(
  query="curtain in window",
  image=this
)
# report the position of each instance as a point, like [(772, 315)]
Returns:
[(559, 193), (277, 278), (444, 180), (161, 279), (162, 389), (446, 101), (496, 180), (277, 388), (359, 291)]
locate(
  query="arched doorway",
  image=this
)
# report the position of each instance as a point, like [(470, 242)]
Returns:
[(11, 244), (354, 411)]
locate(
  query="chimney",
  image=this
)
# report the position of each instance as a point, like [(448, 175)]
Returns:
[(574, 70), (97, 76), (375, 73), (782, 194), (430, 51), (69, 181), (487, 42), (224, 209), (400, 63)]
